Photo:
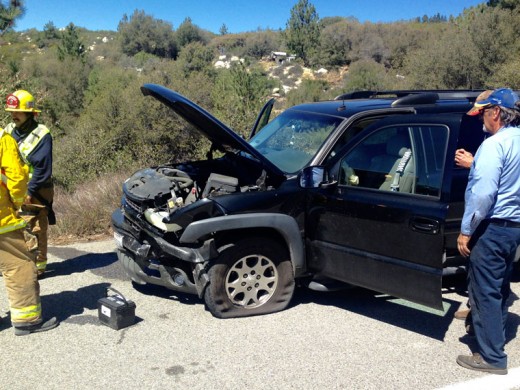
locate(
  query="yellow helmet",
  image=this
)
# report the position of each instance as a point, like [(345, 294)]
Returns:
[(20, 101)]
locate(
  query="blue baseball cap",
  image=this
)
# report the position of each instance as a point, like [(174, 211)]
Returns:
[(503, 97)]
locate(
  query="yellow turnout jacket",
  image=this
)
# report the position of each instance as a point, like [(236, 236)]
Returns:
[(13, 186)]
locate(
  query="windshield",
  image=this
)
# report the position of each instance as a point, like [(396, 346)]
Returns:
[(292, 139)]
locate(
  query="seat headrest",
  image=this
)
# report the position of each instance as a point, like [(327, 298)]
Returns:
[(397, 145)]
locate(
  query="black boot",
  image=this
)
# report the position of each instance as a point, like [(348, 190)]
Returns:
[(41, 327)]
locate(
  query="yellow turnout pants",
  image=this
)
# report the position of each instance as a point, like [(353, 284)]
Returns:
[(37, 217), (20, 277)]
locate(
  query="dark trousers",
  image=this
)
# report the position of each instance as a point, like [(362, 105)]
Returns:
[(489, 276)]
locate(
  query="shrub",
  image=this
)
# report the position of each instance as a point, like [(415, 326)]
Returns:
[(366, 75), (308, 91), (238, 96), (87, 210)]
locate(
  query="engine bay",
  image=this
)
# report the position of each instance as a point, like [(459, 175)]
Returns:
[(159, 193)]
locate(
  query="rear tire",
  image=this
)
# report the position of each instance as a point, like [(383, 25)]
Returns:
[(251, 277)]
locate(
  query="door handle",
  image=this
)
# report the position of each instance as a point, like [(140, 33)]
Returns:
[(425, 225)]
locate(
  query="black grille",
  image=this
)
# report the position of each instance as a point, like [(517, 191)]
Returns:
[(135, 218), (128, 204)]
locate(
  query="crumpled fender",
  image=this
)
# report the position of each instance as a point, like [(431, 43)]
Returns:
[(283, 224)]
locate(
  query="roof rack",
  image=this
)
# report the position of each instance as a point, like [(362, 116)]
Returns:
[(407, 97)]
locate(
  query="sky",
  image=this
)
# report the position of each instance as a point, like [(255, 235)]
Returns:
[(238, 15)]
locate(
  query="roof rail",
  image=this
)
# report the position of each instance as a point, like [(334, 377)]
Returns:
[(416, 98), (356, 95), (427, 95)]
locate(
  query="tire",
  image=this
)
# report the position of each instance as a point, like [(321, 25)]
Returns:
[(251, 277)]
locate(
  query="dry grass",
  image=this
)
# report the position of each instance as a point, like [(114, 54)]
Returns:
[(85, 214)]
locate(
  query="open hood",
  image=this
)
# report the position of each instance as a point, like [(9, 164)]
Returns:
[(218, 133)]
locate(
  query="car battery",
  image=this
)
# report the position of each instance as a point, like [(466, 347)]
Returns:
[(115, 310)]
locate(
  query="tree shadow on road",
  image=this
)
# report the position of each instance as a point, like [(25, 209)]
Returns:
[(75, 261)]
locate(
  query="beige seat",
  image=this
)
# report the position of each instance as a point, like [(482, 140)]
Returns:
[(398, 163), (395, 148)]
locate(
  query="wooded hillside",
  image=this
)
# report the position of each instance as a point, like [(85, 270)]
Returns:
[(87, 82)]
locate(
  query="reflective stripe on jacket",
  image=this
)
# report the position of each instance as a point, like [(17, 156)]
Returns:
[(30, 142), (13, 185)]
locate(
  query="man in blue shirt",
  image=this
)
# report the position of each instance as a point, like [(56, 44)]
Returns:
[(490, 231)]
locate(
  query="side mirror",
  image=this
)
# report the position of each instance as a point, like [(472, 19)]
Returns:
[(312, 177)]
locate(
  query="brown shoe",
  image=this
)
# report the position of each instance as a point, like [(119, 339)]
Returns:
[(475, 362), (462, 314)]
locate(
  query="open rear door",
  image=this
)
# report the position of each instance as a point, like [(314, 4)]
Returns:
[(263, 117)]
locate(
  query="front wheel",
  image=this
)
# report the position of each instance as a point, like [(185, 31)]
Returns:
[(253, 276)]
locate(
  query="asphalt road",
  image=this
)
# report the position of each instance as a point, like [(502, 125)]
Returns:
[(353, 339)]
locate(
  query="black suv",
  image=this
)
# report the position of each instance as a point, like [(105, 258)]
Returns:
[(362, 190)]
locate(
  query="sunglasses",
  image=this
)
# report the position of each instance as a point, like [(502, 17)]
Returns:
[(483, 110)]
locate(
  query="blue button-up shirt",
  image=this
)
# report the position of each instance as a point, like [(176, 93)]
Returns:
[(493, 189)]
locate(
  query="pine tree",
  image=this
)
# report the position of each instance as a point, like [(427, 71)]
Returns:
[(9, 14), (302, 33), (71, 45), (50, 31), (223, 29)]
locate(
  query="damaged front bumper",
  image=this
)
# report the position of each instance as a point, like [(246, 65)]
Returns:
[(138, 261)]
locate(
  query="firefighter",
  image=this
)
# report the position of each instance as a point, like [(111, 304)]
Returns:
[(16, 262), (35, 145)]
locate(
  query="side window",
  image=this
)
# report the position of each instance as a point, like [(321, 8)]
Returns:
[(406, 159), (349, 133)]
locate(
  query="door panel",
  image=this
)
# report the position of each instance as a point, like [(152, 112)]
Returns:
[(365, 240)]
